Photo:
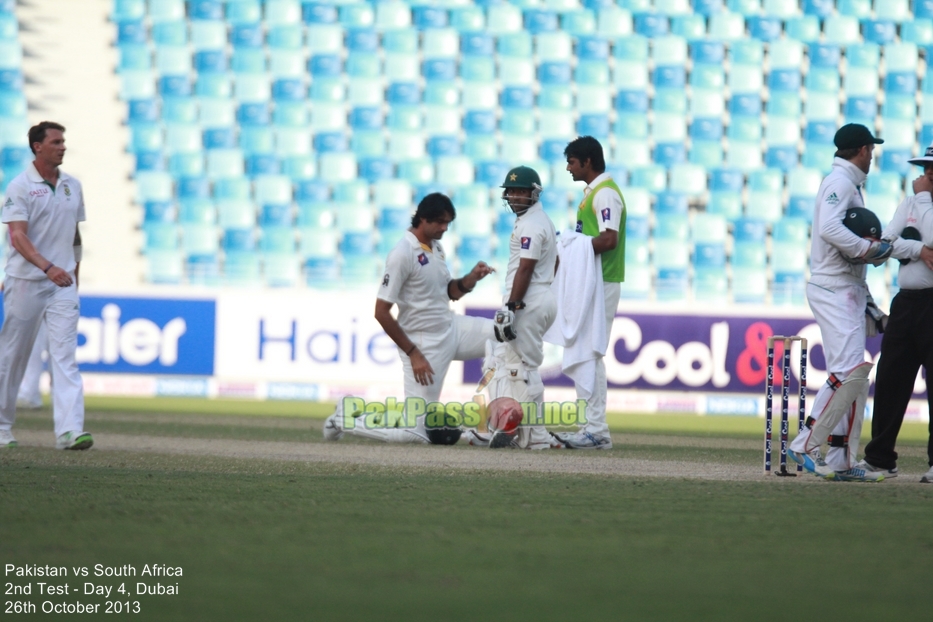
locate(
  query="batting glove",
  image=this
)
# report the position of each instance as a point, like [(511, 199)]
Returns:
[(504, 325), (876, 320)]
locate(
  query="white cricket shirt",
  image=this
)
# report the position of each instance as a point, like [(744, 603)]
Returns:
[(831, 240), (915, 211), (51, 214), (416, 280), (533, 237)]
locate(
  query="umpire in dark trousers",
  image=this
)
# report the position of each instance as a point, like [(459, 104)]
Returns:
[(908, 336)]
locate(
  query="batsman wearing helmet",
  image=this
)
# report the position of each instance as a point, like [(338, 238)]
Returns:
[(845, 238), (907, 343), (529, 305), (601, 215), (429, 335)]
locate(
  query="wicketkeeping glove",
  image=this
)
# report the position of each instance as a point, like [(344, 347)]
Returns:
[(504, 321), (876, 320), (877, 253)]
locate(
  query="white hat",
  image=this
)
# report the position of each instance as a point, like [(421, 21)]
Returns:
[(926, 159)]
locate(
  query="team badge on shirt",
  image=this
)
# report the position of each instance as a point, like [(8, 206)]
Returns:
[(605, 214), (385, 280), (526, 243), (67, 190), (423, 259), (579, 228)]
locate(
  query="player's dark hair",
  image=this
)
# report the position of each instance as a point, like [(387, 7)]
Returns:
[(432, 207), (37, 132), (586, 148), (847, 154)]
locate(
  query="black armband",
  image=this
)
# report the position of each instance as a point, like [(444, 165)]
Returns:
[(463, 290)]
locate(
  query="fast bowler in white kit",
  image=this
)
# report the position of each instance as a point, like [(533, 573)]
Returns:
[(429, 335), (43, 206), (529, 304), (840, 301)]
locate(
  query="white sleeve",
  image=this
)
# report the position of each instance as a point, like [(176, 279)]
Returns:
[(834, 202), (82, 216), (530, 241), (906, 249), (608, 207), (15, 207), (397, 272)]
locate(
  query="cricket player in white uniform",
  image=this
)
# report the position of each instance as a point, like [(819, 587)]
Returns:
[(844, 311), (530, 301), (600, 215), (429, 335), (42, 207)]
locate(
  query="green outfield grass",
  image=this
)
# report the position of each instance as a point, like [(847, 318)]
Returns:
[(268, 540)]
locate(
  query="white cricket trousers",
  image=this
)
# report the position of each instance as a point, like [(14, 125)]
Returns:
[(530, 325), (840, 314), (25, 305), (29, 389), (463, 340), (596, 401)]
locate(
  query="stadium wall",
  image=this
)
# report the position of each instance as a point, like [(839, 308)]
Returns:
[(321, 345)]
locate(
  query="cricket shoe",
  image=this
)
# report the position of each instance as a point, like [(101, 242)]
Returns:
[(333, 430), (927, 477), (74, 440), (585, 440), (813, 463), (501, 440), (508, 441), (6, 440), (856, 474), (475, 439), (888, 473)]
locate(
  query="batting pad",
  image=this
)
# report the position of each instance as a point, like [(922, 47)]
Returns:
[(853, 392)]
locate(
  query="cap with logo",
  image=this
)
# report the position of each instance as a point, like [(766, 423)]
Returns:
[(853, 136)]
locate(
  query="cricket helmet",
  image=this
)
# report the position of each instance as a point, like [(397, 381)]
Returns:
[(525, 178), (444, 435), (862, 222), (522, 177)]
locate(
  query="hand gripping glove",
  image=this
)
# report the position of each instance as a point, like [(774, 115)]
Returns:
[(877, 253)]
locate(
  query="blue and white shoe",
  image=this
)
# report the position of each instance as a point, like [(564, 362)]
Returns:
[(888, 473), (813, 463), (856, 474), (585, 440)]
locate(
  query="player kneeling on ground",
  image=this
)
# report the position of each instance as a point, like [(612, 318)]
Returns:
[(429, 335)]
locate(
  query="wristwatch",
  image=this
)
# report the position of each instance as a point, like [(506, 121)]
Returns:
[(515, 306)]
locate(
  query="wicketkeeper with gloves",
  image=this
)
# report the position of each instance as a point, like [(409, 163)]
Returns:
[(845, 238), (908, 336)]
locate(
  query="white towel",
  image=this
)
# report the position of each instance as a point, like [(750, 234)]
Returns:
[(580, 326)]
